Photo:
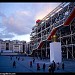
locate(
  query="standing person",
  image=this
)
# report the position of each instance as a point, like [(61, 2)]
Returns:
[(14, 64), (38, 66), (63, 66), (33, 60), (16, 57), (44, 67), (53, 66), (22, 59), (30, 63), (49, 68), (11, 57)]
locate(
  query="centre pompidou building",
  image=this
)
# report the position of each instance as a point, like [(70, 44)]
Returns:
[(60, 22)]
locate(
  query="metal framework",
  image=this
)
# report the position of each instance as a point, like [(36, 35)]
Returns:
[(60, 22), (67, 38)]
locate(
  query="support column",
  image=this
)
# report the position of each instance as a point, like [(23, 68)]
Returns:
[(41, 52), (46, 48), (71, 41), (67, 49), (67, 53), (60, 36), (72, 45), (72, 52)]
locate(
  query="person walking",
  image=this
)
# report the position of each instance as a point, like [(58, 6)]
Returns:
[(14, 64), (44, 66), (30, 63), (50, 68), (54, 65), (11, 57), (22, 59), (18, 58), (33, 60), (38, 66)]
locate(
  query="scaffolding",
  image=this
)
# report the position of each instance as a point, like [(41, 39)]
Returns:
[(60, 21)]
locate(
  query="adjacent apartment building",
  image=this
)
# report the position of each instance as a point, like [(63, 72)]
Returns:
[(14, 46)]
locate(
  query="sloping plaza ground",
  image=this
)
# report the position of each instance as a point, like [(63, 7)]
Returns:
[(24, 66)]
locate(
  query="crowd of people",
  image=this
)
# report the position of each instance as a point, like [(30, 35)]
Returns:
[(51, 68), (14, 62)]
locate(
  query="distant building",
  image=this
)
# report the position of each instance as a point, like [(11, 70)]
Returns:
[(14, 45), (28, 48), (2, 45), (9, 45), (17, 48)]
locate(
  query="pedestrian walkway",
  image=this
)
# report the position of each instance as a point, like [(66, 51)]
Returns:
[(23, 65)]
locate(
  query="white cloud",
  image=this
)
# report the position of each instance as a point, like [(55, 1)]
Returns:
[(23, 13), (25, 37), (20, 23)]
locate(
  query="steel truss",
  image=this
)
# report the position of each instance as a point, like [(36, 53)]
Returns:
[(67, 39), (65, 34)]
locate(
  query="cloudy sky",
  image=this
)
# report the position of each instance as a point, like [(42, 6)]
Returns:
[(17, 19)]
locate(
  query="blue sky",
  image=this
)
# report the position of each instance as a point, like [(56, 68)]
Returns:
[(17, 19)]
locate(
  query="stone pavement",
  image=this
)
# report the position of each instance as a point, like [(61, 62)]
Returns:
[(24, 66)]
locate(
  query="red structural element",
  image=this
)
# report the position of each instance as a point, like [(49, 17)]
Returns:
[(49, 37), (70, 18), (52, 33), (41, 44), (67, 22), (38, 21)]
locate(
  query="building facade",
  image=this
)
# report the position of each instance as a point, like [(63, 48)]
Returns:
[(2, 45), (28, 48), (59, 22), (14, 46)]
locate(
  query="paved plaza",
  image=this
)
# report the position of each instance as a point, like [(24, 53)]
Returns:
[(24, 66)]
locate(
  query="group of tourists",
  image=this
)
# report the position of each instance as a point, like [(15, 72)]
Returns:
[(38, 65), (14, 62), (53, 66), (31, 62)]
